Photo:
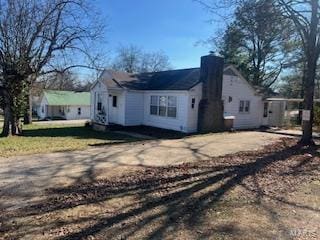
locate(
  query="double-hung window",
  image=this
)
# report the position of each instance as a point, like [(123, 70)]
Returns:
[(265, 109), (114, 101), (165, 106), (162, 106), (244, 106), (99, 102), (172, 107), (154, 105)]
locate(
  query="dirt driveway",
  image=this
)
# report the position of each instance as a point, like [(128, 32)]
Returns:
[(22, 177)]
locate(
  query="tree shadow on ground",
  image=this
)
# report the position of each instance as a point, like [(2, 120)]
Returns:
[(165, 200)]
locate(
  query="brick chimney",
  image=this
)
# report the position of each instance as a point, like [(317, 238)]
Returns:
[(210, 115)]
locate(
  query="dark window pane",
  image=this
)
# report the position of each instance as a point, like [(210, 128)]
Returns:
[(247, 108), (162, 111), (265, 109), (154, 100), (114, 101), (172, 112), (241, 107), (154, 110), (193, 101), (99, 106)]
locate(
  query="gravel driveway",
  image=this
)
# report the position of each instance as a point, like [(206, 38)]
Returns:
[(22, 177)]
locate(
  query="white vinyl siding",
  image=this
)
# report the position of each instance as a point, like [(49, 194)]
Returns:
[(134, 108), (72, 112), (179, 106), (236, 90)]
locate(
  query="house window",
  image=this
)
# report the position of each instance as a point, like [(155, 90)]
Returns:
[(61, 110), (154, 105), (114, 101), (172, 107), (79, 111), (162, 106), (99, 102), (165, 106), (244, 106), (193, 101), (230, 99), (247, 106), (42, 109), (265, 109)]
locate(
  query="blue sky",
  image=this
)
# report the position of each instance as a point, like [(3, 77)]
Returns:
[(174, 26)]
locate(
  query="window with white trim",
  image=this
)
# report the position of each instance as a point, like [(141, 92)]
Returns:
[(114, 101), (99, 102), (244, 106), (193, 102), (165, 106), (265, 109), (154, 107), (172, 106)]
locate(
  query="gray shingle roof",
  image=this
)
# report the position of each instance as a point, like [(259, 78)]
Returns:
[(181, 79)]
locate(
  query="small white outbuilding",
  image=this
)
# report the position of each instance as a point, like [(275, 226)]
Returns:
[(68, 105)]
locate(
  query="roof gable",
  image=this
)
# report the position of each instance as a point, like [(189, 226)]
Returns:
[(67, 98), (181, 79)]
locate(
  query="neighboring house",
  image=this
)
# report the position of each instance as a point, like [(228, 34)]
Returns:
[(35, 105), (170, 99), (66, 105)]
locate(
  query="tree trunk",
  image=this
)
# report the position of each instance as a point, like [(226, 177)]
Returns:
[(308, 102), (7, 111), (6, 130), (28, 114), (11, 125), (16, 128), (312, 58)]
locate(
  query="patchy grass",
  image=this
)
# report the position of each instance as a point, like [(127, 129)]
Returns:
[(273, 193), (54, 138)]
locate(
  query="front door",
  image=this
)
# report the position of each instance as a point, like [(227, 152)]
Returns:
[(114, 109), (276, 113)]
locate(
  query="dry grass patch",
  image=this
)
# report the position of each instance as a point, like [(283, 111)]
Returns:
[(56, 138), (268, 194)]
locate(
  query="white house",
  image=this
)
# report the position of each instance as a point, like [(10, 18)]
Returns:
[(68, 105), (170, 99)]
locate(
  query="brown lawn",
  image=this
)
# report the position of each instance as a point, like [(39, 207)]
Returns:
[(273, 193)]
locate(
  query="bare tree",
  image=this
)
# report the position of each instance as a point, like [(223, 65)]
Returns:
[(133, 59), (128, 59), (35, 38), (154, 62), (305, 14)]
